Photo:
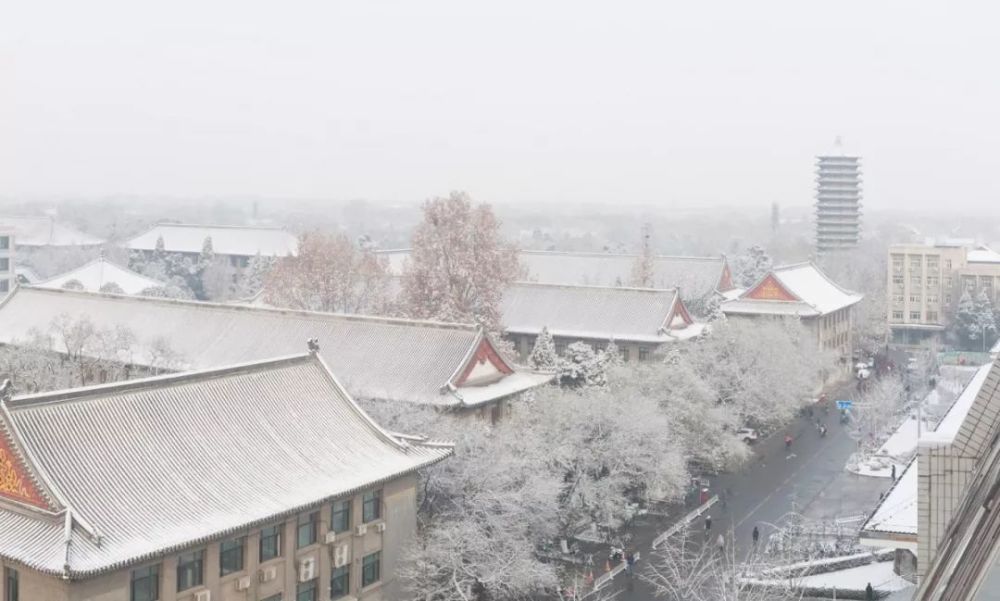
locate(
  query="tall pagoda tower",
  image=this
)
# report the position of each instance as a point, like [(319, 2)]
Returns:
[(838, 201)]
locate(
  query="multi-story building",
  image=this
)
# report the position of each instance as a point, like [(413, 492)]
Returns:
[(838, 202), (255, 482), (925, 282), (804, 292), (8, 276), (639, 320)]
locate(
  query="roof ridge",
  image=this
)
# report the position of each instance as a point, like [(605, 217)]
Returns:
[(97, 259), (593, 287), (618, 255), (83, 393), (401, 321), (217, 227)]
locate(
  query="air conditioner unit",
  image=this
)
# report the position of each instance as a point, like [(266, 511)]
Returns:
[(341, 555), (361, 530), (307, 569), (331, 537), (243, 583), (203, 596), (380, 527), (267, 574)]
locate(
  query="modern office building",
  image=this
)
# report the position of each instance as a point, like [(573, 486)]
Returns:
[(925, 282), (7, 274), (838, 202)]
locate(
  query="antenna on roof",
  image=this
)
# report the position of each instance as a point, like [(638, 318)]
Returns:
[(313, 344)]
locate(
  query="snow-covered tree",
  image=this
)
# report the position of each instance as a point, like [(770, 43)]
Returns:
[(167, 291), (612, 355), (112, 288), (543, 355), (459, 265), (581, 366), (643, 268), (251, 281), (877, 412), (751, 266), (329, 273), (713, 308), (73, 284), (967, 318), (985, 319)]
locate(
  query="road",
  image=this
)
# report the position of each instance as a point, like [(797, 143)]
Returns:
[(810, 479)]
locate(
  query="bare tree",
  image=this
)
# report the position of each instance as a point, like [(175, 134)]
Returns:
[(330, 273), (460, 265)]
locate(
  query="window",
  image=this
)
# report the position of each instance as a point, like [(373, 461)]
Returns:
[(897, 315), (306, 591), (4, 264), (624, 352), (897, 279), (4, 242), (914, 298), (4, 285), (643, 353), (10, 584), (308, 526), (145, 584), (914, 315), (270, 543), (932, 316), (370, 567), (340, 582), (231, 556), (371, 507), (189, 570), (340, 521)]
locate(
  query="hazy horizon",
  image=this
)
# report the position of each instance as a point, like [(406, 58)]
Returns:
[(649, 103)]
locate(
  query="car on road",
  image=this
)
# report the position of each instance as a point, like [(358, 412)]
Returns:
[(747, 435)]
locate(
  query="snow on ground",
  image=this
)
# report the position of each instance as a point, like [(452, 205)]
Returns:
[(879, 574)]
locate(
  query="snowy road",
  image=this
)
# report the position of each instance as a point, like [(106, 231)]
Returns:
[(811, 480)]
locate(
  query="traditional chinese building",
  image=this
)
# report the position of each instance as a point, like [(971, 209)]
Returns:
[(639, 320), (806, 293), (450, 366), (238, 243), (102, 275), (256, 481)]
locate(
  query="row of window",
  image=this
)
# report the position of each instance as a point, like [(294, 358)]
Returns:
[(932, 316), (145, 582), (644, 352)]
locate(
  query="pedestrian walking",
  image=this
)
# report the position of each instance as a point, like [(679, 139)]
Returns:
[(869, 593), (893, 472), (788, 441), (629, 562), (756, 535), (720, 544), (708, 524)]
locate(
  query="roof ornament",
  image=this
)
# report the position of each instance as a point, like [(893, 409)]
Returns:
[(313, 344), (6, 390)]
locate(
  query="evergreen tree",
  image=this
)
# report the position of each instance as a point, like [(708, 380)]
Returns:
[(581, 367), (985, 319), (966, 318), (612, 355), (751, 266), (543, 355), (713, 308)]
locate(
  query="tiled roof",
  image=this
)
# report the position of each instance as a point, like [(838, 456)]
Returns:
[(226, 240), (592, 312), (375, 358), (695, 277), (46, 231), (100, 271), (148, 467), (812, 294)]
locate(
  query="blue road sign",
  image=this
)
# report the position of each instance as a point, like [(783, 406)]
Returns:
[(842, 405)]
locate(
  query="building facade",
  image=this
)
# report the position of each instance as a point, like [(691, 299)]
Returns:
[(926, 281), (838, 202), (296, 495), (8, 273)]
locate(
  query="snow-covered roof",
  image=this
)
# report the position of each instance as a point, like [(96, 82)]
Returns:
[(982, 254), (157, 465), (596, 312), (951, 423), (801, 289), (226, 239), (46, 231), (374, 357), (100, 271), (896, 514), (695, 277), (29, 274)]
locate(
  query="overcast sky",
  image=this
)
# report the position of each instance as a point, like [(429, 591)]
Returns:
[(530, 101)]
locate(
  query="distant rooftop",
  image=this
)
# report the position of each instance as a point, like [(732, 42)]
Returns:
[(46, 231), (226, 240), (99, 272), (800, 289)]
